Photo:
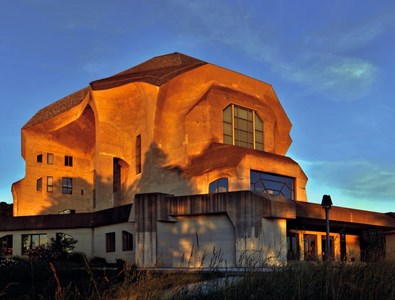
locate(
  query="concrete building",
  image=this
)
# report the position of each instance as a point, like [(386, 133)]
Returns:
[(177, 162)]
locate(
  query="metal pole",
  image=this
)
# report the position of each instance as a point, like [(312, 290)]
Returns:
[(328, 243)]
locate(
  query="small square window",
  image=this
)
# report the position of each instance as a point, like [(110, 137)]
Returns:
[(49, 158), (110, 242), (40, 158), (68, 161)]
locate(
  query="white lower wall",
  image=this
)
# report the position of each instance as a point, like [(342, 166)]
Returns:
[(92, 242), (196, 241)]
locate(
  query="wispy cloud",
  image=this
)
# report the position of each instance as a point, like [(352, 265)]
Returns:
[(354, 179), (323, 62)]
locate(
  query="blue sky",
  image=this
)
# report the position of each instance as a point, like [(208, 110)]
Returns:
[(331, 64)]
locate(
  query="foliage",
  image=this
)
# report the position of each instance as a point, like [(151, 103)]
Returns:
[(63, 279), (59, 248)]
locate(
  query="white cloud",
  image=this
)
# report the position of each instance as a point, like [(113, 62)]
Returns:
[(353, 179)]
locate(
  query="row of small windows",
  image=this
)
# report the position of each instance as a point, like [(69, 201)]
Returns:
[(260, 182), (127, 241), (242, 127), (68, 160), (67, 185), (31, 241)]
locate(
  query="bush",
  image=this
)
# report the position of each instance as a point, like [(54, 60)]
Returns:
[(59, 248), (98, 261)]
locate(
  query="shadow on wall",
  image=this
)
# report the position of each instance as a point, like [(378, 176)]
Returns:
[(80, 195), (77, 194), (157, 176)]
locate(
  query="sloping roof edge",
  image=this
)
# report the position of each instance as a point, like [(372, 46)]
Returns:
[(57, 107), (116, 215), (156, 71)]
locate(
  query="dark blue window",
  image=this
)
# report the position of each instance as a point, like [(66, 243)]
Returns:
[(218, 186), (273, 184)]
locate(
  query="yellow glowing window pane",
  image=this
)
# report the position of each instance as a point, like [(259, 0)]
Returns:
[(242, 127), (227, 115), (227, 129)]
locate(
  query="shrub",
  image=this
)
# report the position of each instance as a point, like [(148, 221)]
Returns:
[(98, 261), (59, 248)]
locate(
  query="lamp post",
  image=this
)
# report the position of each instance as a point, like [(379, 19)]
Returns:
[(327, 204)]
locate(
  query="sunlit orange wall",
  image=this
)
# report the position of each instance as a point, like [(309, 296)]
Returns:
[(177, 121)]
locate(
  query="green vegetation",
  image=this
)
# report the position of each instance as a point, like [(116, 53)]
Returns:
[(78, 278)]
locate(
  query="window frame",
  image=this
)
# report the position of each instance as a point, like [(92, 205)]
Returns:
[(68, 161), (50, 184), (138, 154), (242, 127), (216, 185), (273, 180), (50, 158), (67, 185), (30, 239), (110, 242), (127, 241), (39, 184), (39, 158)]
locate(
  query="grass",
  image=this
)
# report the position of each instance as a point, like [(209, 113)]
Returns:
[(61, 280)]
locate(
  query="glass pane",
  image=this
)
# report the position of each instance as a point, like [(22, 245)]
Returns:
[(249, 113), (228, 129), (242, 113), (243, 136), (228, 140), (258, 123), (212, 187), (223, 183), (227, 115), (258, 136), (242, 124), (250, 126), (258, 146), (35, 240), (272, 183), (43, 239)]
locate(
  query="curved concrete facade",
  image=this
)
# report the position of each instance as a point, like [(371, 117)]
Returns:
[(175, 105)]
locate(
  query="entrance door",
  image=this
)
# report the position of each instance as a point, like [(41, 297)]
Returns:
[(310, 247)]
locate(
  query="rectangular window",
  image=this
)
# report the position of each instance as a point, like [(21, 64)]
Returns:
[(40, 158), (49, 158), (6, 245), (310, 247), (39, 184), (127, 241), (68, 161), (242, 127), (110, 242), (293, 252), (273, 184), (30, 241), (49, 184), (138, 154), (67, 185)]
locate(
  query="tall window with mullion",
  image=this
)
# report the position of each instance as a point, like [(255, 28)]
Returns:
[(242, 127), (67, 185)]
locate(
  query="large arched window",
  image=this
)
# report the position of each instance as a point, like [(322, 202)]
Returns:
[(242, 127)]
